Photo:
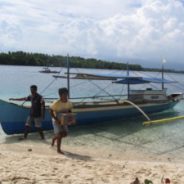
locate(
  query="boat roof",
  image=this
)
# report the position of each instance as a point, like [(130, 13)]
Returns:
[(124, 79), (98, 75), (142, 80)]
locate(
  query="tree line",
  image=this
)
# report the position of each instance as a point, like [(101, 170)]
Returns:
[(37, 59)]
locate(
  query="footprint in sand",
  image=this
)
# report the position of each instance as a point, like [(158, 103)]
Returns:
[(66, 176), (88, 166)]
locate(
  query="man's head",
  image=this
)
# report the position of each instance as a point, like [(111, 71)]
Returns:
[(33, 89), (63, 93)]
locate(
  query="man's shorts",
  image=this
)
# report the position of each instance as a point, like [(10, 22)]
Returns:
[(37, 121), (59, 128)]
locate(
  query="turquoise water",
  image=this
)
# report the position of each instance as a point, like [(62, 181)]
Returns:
[(159, 139)]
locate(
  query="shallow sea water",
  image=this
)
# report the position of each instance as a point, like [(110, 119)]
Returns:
[(116, 135)]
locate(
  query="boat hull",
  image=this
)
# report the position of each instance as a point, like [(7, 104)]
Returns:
[(13, 116)]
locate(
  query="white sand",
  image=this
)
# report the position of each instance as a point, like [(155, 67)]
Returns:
[(34, 161)]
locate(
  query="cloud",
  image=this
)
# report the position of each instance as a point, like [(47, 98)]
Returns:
[(113, 29)]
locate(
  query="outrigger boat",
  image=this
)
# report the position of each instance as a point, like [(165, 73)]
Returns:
[(48, 70), (99, 108)]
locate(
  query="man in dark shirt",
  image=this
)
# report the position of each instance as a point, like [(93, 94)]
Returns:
[(37, 111)]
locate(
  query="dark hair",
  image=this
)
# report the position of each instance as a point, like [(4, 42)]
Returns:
[(33, 87), (62, 91)]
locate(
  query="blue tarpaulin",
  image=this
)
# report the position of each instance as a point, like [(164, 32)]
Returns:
[(124, 79)]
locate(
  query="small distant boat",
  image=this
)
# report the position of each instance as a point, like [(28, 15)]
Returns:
[(48, 70)]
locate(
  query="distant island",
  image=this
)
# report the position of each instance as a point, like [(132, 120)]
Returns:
[(37, 59)]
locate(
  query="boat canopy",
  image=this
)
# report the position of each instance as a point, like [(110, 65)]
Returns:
[(142, 80), (98, 76), (131, 80), (122, 79)]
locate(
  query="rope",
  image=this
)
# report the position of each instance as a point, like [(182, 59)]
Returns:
[(48, 86), (177, 86), (55, 78), (105, 91), (101, 89)]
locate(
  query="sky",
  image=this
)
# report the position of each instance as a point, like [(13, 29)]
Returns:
[(135, 31)]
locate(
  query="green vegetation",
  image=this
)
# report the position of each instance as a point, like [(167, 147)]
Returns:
[(36, 59)]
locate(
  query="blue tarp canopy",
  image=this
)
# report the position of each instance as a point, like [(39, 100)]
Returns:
[(121, 79), (142, 80), (131, 80)]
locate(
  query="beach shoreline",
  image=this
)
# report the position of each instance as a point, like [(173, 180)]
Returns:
[(35, 161)]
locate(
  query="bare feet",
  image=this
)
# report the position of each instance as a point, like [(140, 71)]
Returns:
[(60, 152)]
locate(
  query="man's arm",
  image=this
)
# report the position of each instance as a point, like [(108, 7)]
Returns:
[(19, 99), (54, 117)]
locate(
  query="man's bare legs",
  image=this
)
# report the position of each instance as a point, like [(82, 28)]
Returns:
[(59, 140)]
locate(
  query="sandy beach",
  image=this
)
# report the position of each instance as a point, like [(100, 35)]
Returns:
[(35, 161)]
